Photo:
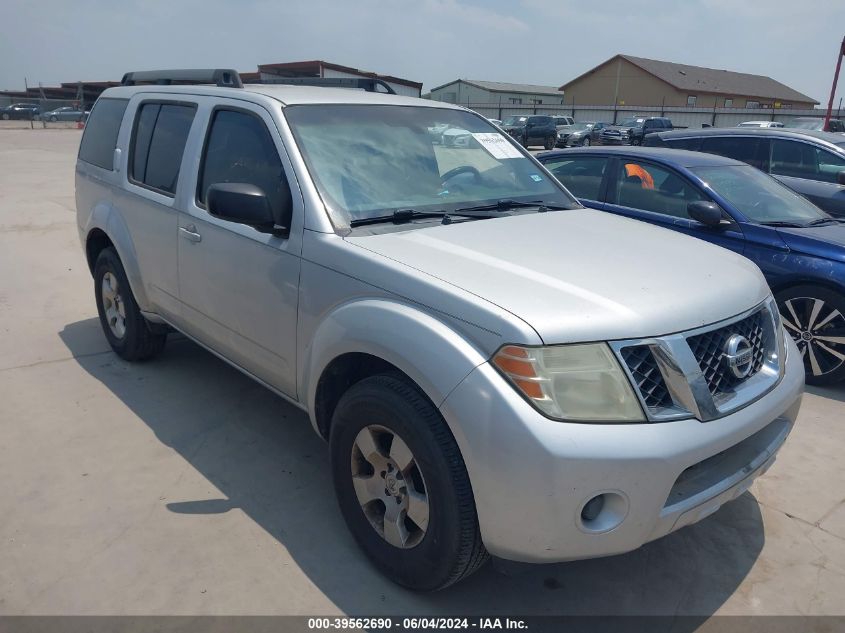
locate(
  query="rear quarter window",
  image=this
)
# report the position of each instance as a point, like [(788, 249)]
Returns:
[(100, 136)]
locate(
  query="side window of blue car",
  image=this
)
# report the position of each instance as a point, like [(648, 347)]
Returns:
[(582, 175), (644, 186)]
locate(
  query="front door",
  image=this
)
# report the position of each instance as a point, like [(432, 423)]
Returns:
[(654, 193), (239, 286)]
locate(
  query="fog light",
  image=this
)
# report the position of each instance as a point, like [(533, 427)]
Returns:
[(603, 512), (592, 508)]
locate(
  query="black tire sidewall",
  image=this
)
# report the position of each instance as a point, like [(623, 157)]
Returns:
[(428, 565), (830, 297), (108, 261)]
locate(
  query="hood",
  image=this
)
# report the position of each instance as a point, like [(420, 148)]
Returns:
[(582, 275), (619, 128), (510, 128), (819, 241)]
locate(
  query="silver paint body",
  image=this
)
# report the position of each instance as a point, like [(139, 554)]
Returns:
[(437, 302)]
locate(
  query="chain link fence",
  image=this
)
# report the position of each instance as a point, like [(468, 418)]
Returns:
[(681, 116)]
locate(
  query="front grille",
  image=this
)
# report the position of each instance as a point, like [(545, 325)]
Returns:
[(647, 376), (709, 350)]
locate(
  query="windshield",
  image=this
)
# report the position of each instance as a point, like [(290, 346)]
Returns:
[(807, 124), (514, 120), (758, 196), (368, 161), (631, 123)]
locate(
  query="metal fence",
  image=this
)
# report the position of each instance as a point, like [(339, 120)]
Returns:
[(681, 116), (43, 119)]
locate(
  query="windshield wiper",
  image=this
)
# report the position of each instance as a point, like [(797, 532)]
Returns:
[(507, 205), (822, 221), (784, 224), (402, 216)]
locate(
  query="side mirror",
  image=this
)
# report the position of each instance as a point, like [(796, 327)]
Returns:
[(708, 213), (242, 203), (840, 178)]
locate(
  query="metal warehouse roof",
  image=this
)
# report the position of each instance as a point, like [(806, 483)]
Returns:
[(499, 86), (699, 79)]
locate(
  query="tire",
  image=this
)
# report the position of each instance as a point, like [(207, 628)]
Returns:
[(433, 555), (53, 119), (5, 116), (585, 142), (126, 330), (815, 318), (635, 141), (550, 142)]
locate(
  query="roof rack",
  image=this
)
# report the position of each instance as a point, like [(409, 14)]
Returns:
[(361, 83), (223, 77)]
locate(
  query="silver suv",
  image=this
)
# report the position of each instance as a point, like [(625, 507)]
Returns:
[(495, 368)]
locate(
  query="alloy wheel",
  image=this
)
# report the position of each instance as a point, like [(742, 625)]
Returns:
[(818, 330), (113, 305), (389, 486), (586, 142)]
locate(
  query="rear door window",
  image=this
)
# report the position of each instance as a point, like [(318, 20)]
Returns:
[(802, 160), (582, 175), (741, 148), (100, 136), (161, 131)]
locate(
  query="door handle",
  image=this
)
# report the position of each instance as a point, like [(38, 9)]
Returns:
[(190, 233)]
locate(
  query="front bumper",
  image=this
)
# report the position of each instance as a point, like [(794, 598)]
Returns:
[(532, 476), (615, 140)]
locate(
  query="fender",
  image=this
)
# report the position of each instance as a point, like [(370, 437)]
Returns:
[(108, 220), (425, 348)]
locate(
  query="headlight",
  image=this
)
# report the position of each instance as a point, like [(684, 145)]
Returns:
[(579, 383)]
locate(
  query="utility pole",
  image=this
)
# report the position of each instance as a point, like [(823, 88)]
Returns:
[(835, 79)]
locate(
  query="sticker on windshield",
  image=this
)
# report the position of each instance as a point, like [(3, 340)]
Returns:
[(496, 144), (536, 177)]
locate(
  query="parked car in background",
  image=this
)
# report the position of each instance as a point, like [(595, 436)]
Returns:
[(456, 137), (65, 113), (20, 111), (799, 247), (583, 133), (761, 124), (535, 129), (632, 131), (816, 124), (562, 121), (811, 163)]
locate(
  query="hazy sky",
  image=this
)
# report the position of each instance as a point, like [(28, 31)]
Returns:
[(432, 41)]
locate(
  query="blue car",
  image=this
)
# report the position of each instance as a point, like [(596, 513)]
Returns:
[(799, 247)]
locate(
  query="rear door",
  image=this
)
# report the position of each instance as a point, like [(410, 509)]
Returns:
[(810, 170), (659, 195), (148, 198)]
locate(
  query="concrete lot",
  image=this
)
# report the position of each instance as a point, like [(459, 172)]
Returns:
[(180, 487)]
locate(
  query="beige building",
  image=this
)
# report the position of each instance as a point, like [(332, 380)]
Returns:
[(636, 81)]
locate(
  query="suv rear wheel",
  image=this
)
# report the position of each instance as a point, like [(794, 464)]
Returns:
[(550, 142), (126, 329), (402, 485), (815, 318)]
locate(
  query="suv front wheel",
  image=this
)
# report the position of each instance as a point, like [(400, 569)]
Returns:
[(402, 485), (126, 329)]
